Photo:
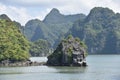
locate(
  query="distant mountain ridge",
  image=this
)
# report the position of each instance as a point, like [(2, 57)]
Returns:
[(55, 17), (52, 28), (4, 16)]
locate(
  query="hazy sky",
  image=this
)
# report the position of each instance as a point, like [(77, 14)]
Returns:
[(24, 10)]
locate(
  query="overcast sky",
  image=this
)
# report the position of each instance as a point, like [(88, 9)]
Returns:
[(24, 10)]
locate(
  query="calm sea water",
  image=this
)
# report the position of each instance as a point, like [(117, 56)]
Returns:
[(100, 67)]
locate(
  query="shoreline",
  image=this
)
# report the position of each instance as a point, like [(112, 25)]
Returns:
[(22, 64)]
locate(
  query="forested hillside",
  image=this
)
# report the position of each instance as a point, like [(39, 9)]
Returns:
[(13, 45), (100, 30)]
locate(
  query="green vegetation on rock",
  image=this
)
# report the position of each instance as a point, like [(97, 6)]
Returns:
[(13, 45), (40, 48)]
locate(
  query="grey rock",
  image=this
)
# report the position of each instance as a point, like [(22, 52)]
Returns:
[(69, 52)]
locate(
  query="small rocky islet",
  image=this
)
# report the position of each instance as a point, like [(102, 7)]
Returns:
[(70, 52)]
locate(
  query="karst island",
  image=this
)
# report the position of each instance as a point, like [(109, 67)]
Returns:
[(70, 52)]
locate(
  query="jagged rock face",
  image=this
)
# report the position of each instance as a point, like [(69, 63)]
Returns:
[(70, 52)]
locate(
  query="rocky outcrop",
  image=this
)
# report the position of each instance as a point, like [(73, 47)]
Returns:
[(70, 52)]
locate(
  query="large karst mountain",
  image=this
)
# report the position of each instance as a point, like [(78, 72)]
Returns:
[(100, 30)]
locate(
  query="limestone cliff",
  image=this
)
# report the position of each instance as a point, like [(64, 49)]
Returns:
[(70, 52)]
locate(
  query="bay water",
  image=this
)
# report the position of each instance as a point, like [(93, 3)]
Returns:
[(100, 67)]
